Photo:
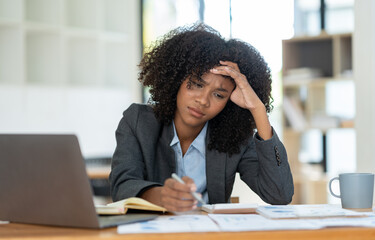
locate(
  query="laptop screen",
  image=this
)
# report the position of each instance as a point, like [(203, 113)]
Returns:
[(43, 180)]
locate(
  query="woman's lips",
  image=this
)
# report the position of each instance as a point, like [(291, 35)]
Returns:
[(195, 112)]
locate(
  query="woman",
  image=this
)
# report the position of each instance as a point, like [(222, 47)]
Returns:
[(208, 96)]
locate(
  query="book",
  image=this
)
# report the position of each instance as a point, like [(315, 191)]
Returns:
[(324, 122), (294, 113), (230, 208), (122, 206), (301, 75), (306, 211)]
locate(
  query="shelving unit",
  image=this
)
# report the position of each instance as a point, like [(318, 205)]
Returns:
[(83, 41), (67, 54), (313, 67)]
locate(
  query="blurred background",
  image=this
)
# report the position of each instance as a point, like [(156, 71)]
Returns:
[(70, 66)]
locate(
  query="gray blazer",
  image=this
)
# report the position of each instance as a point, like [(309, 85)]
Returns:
[(144, 159)]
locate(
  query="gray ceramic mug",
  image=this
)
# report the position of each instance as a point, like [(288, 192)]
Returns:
[(356, 190)]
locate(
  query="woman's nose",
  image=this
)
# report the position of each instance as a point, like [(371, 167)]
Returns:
[(203, 99)]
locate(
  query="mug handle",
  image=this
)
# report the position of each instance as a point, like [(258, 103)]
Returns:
[(330, 187)]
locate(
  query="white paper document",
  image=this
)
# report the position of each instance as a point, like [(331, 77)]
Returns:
[(169, 224), (290, 217), (306, 211), (344, 222), (255, 222)]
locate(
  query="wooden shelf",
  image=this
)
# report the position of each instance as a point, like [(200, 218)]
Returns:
[(313, 66)]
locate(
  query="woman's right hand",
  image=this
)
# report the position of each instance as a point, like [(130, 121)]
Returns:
[(174, 196)]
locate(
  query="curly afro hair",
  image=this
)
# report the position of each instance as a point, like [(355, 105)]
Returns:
[(195, 50)]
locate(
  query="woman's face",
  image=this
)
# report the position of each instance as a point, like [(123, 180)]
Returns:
[(201, 99)]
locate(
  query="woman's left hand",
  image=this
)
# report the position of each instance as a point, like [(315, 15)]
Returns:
[(243, 95)]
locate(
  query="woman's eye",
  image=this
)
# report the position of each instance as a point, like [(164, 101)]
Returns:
[(219, 95), (195, 84), (198, 84)]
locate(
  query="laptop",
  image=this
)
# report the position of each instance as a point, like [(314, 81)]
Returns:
[(43, 180)]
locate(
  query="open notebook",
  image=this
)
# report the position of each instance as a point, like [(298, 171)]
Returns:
[(43, 180)]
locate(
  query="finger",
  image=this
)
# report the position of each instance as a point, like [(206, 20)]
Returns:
[(228, 71), (178, 201), (190, 182), (230, 64), (172, 188), (177, 186), (179, 195), (173, 208), (238, 77), (176, 204)]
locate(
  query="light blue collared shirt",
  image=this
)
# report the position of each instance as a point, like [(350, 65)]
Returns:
[(193, 163)]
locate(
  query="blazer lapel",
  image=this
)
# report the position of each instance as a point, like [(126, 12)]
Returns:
[(215, 174), (166, 151)]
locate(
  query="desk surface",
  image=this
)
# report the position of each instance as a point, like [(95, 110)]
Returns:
[(98, 172), (25, 231)]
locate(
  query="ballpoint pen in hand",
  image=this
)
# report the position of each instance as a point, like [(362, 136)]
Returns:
[(195, 195)]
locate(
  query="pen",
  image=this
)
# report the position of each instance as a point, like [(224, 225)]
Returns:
[(195, 195)]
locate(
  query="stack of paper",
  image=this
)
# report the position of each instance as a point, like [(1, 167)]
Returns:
[(230, 208)]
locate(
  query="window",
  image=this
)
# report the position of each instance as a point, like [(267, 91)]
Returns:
[(338, 16)]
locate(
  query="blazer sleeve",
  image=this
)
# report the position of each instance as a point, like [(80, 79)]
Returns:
[(128, 170), (265, 169)]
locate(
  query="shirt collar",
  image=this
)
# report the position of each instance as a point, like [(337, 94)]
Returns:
[(175, 139), (199, 142)]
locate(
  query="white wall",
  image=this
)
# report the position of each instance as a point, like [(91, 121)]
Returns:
[(69, 66), (364, 70)]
